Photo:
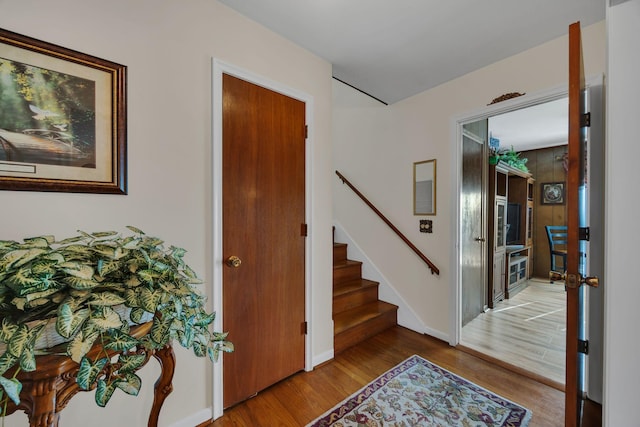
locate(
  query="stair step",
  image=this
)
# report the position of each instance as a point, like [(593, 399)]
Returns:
[(350, 294), (346, 271), (359, 323), (339, 252)]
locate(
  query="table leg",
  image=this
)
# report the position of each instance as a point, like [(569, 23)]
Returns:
[(41, 403), (163, 386)]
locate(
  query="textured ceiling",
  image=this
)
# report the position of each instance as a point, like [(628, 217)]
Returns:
[(393, 49)]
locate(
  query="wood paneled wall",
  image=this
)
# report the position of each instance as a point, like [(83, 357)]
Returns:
[(545, 165)]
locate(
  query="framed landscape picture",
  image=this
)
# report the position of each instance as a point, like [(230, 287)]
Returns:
[(62, 119)]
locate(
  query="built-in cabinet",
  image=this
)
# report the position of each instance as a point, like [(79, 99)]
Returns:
[(510, 212)]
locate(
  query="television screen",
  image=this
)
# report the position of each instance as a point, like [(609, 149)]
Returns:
[(513, 223)]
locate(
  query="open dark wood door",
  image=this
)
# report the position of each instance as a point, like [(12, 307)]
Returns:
[(263, 155), (575, 220)]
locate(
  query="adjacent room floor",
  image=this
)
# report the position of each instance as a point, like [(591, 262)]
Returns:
[(526, 331)]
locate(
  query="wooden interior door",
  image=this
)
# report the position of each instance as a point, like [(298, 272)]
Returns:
[(263, 156), (473, 221), (575, 180)]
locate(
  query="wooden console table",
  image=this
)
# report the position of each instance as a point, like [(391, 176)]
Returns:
[(47, 390)]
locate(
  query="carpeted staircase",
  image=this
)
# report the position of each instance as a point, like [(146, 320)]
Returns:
[(357, 312)]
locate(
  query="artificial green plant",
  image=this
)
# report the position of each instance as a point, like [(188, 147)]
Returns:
[(510, 157), (80, 282)]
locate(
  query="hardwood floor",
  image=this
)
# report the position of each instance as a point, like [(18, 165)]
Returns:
[(301, 398), (526, 331)]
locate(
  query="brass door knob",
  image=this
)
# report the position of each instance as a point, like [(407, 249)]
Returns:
[(233, 261), (573, 280), (594, 282), (554, 276)]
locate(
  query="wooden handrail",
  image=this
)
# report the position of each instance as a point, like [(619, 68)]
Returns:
[(434, 269)]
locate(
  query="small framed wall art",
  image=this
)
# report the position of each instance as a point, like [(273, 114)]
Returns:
[(552, 193)]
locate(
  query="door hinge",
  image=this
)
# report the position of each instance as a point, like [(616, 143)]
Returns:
[(585, 120), (583, 346), (303, 230), (584, 234), (304, 328), (306, 131)]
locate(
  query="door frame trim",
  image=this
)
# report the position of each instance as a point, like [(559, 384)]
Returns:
[(219, 68), (456, 123)]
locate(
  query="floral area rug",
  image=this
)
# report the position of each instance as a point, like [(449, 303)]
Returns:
[(419, 393)]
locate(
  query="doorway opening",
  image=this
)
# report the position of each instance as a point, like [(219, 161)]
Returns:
[(519, 322), (593, 255)]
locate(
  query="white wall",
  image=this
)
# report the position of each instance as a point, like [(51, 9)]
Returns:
[(167, 46), (622, 292), (375, 147)]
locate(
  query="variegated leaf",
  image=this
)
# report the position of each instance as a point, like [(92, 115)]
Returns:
[(135, 230), (70, 240), (88, 372), (104, 391), (102, 234), (130, 384), (106, 299), (55, 257), (105, 250), (28, 360), (44, 268), (137, 314), (132, 282), (214, 351), (219, 336), (120, 342), (7, 360), (20, 257), (12, 388), (109, 319), (37, 302), (131, 243), (206, 320), (108, 266), (161, 267), (20, 338), (40, 241), (22, 282), (19, 303), (199, 349), (149, 299), (191, 275), (42, 294), (77, 269), (68, 321), (176, 252), (81, 284), (7, 329), (160, 330), (131, 362), (131, 298), (148, 276), (81, 344), (80, 294), (187, 335)]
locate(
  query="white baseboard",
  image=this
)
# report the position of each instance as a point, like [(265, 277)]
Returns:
[(437, 334), (323, 357), (195, 419)]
